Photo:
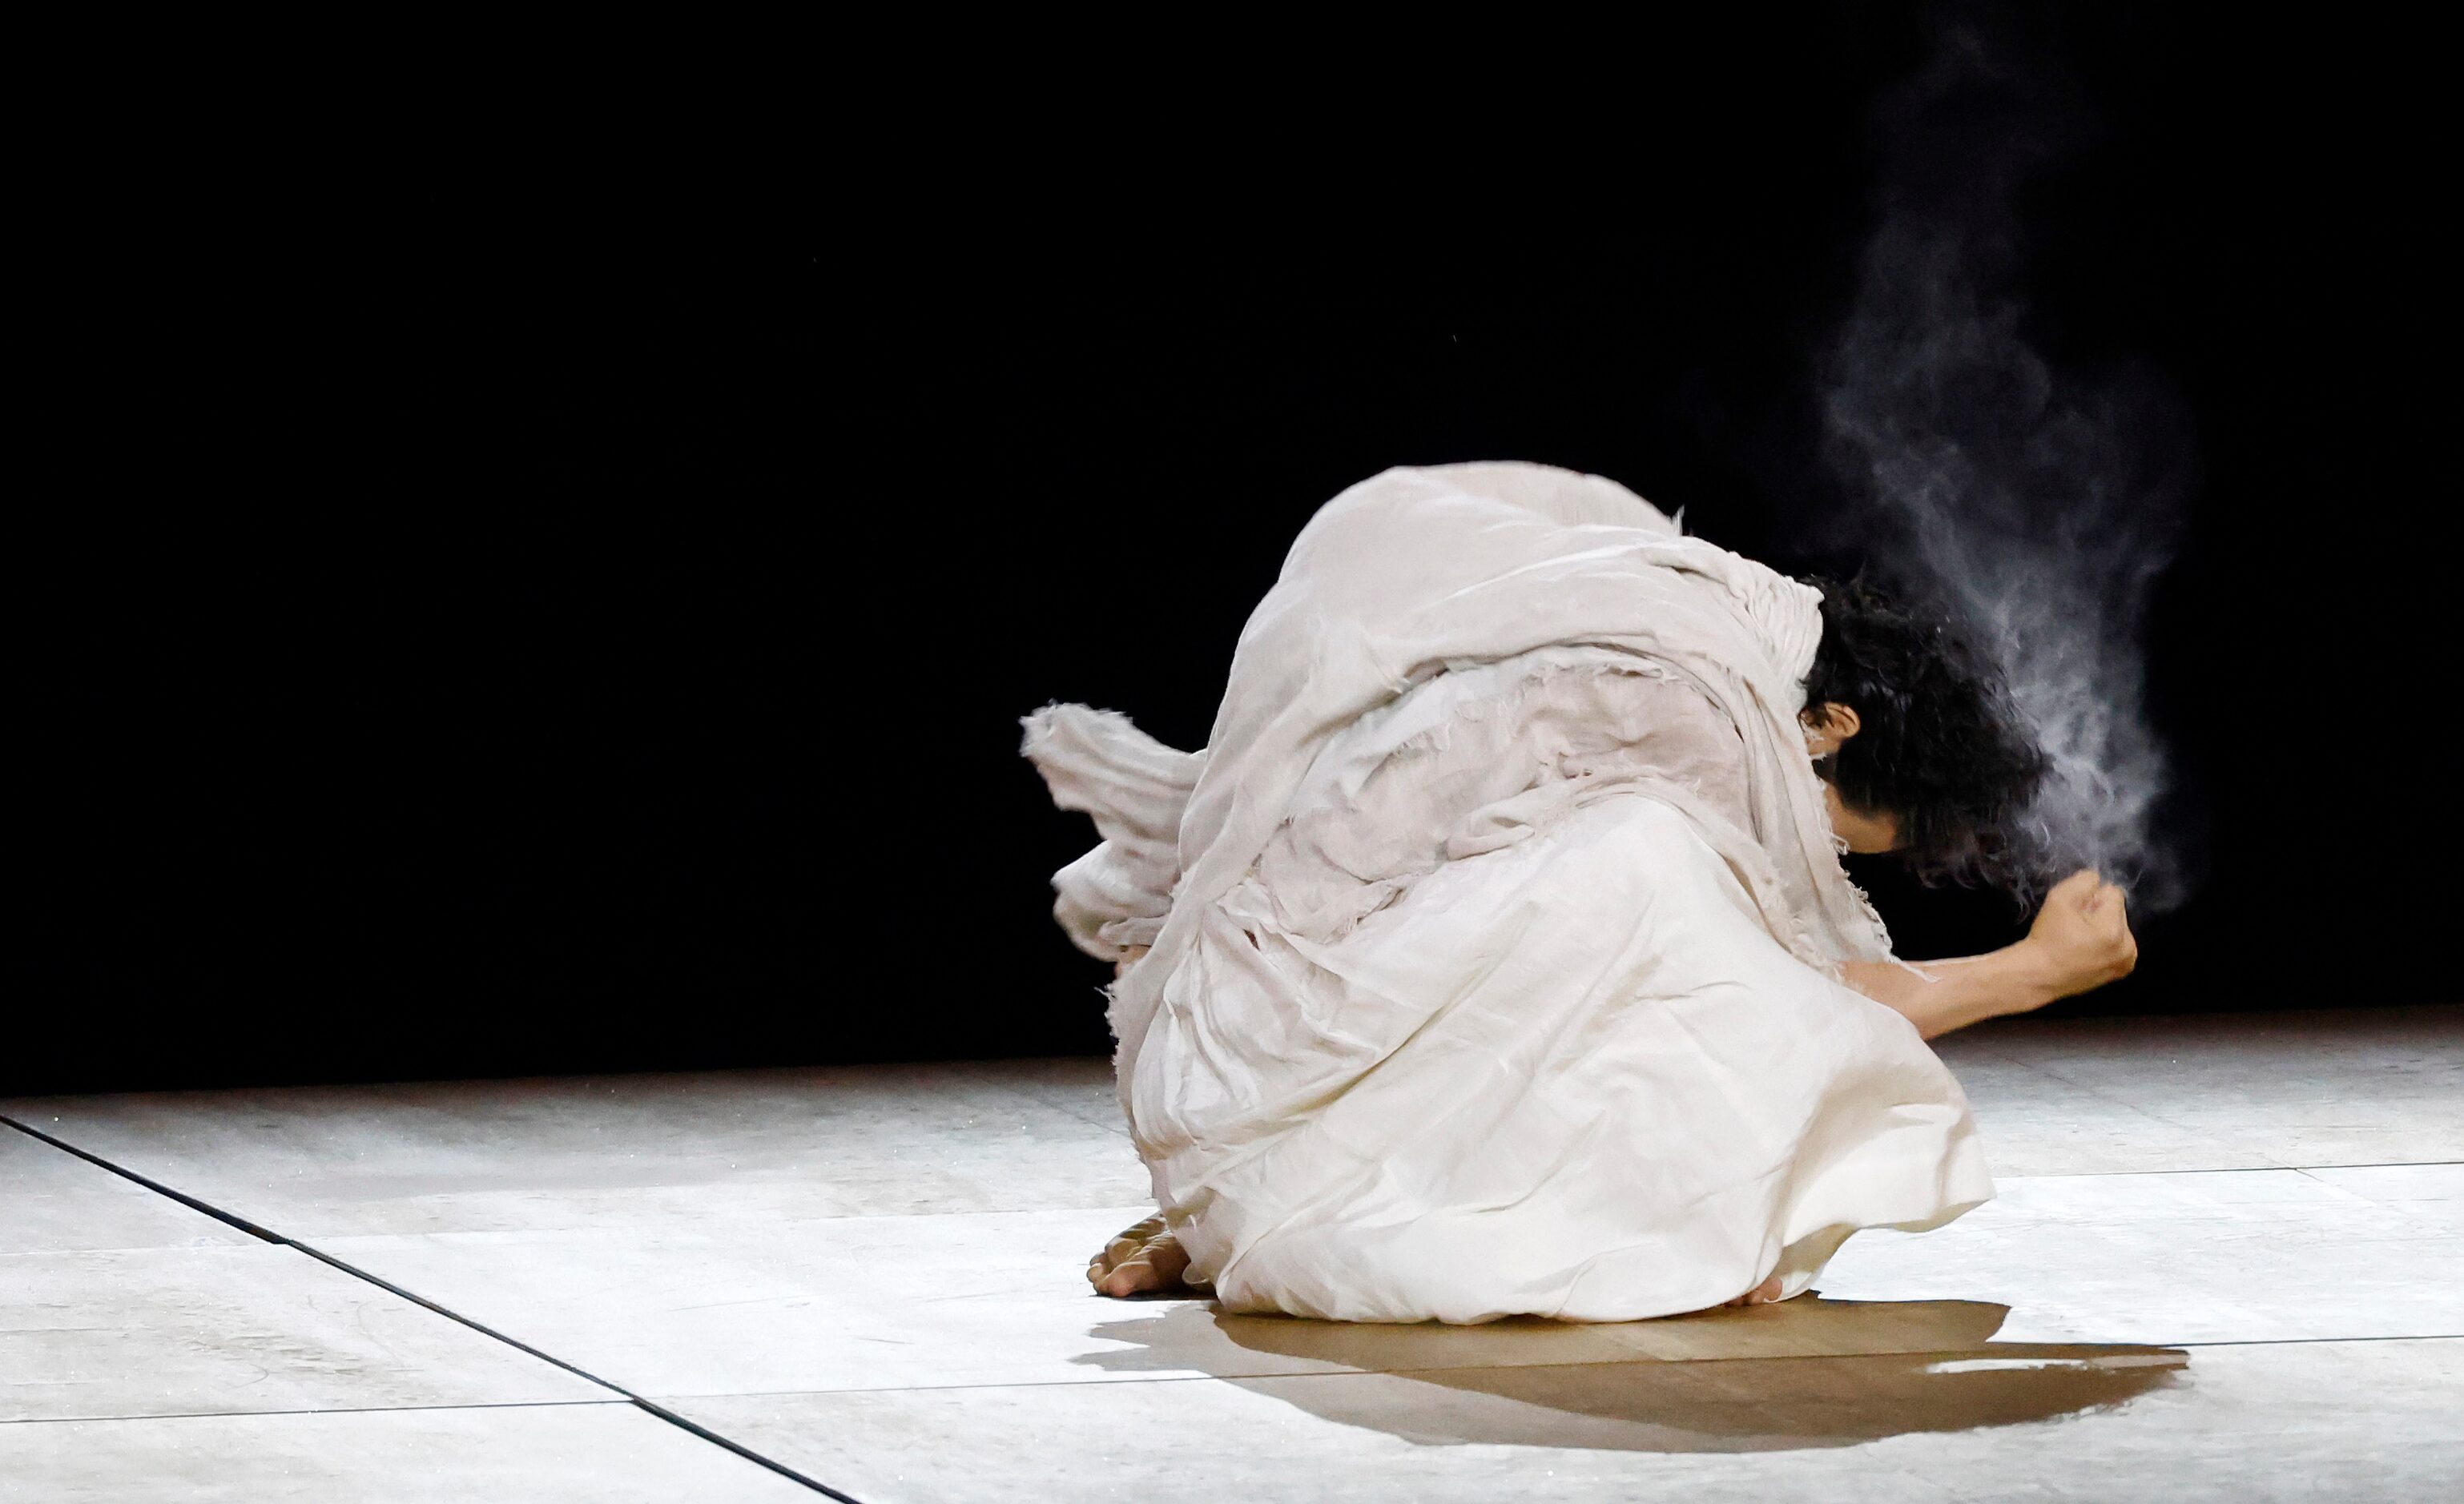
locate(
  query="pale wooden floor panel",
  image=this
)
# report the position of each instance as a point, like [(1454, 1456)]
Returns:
[(2219, 1265)]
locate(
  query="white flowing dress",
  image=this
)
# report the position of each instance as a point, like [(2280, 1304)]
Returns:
[(1496, 934)]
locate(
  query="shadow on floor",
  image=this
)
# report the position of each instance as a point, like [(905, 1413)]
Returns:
[(1805, 1373)]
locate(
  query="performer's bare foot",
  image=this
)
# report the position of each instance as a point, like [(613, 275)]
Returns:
[(1145, 1259), (1141, 1260)]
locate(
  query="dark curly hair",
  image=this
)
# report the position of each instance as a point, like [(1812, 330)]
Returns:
[(1941, 743)]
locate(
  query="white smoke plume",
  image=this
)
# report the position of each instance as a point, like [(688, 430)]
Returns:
[(2041, 503)]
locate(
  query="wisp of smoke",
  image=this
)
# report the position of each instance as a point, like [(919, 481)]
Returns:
[(2040, 503)]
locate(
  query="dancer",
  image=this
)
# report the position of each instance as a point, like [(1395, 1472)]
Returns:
[(1495, 957)]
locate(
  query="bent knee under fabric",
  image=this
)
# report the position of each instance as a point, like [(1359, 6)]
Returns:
[(1578, 1079)]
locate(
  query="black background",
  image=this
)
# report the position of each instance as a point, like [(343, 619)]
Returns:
[(557, 618)]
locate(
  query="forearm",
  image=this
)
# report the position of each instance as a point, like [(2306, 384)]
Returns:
[(1939, 996)]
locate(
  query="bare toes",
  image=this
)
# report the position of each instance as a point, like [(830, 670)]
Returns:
[(1133, 1276), (1157, 1265)]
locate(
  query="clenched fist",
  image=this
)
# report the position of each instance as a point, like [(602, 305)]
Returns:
[(2081, 937)]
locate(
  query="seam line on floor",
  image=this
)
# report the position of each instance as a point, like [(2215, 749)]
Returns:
[(327, 1409), (2232, 1169), (2146, 1350), (322, 1257), (156, 1187)]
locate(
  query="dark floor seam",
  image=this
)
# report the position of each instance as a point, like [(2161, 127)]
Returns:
[(154, 1185), (322, 1257)]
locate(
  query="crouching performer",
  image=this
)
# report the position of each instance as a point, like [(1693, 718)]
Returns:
[(1495, 956)]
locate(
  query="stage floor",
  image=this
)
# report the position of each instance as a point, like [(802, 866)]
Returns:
[(2223, 1264)]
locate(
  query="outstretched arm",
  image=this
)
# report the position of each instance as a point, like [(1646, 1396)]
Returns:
[(2080, 940)]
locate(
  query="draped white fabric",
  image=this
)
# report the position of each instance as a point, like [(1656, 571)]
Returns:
[(1496, 932)]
